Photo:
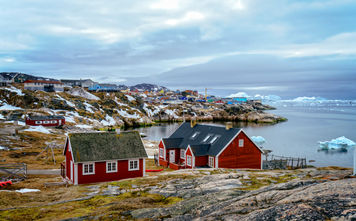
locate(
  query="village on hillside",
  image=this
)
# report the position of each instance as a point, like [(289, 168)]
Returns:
[(66, 145)]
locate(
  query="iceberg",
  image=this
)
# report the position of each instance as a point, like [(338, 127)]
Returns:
[(339, 144), (239, 94), (258, 140)]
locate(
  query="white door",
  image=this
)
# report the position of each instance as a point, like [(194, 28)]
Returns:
[(71, 171), (172, 156)]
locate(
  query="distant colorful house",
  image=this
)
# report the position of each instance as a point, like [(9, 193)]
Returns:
[(44, 85), (104, 87), (102, 157), (47, 121), (196, 145)]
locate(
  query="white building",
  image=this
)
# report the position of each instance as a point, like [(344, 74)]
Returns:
[(43, 85)]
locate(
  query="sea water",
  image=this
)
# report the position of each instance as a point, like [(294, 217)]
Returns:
[(297, 137)]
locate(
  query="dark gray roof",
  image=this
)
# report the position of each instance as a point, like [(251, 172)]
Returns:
[(106, 146), (51, 117), (185, 132), (200, 150), (172, 142)]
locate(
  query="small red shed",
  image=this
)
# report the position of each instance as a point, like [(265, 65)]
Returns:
[(102, 157), (196, 145), (47, 121)]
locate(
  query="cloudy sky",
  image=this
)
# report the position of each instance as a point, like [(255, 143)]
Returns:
[(289, 48)]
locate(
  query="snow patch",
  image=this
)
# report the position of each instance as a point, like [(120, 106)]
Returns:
[(83, 126), (25, 190), (3, 148), (171, 113), (109, 121), (80, 92), (127, 115), (2, 117), (88, 107), (40, 129), (9, 107), (68, 102), (130, 98), (15, 90)]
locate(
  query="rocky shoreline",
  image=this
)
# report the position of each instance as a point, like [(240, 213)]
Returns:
[(120, 110)]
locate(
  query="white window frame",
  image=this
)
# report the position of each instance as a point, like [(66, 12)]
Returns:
[(88, 164), (182, 153), (241, 142), (53, 121), (194, 135), (214, 139), (211, 162), (38, 122), (207, 138), (138, 165), (111, 163), (189, 160), (47, 122), (161, 152)]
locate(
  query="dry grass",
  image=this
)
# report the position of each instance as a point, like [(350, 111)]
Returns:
[(31, 144), (11, 199)]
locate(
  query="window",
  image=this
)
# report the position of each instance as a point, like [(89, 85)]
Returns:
[(214, 139), (111, 167), (211, 162), (206, 138), (133, 165), (88, 168), (194, 135), (53, 121), (161, 152), (182, 153), (189, 160), (47, 122), (241, 142), (38, 122)]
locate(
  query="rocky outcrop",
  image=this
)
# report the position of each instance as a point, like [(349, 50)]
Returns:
[(299, 199)]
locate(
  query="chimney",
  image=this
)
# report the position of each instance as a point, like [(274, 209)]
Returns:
[(193, 122), (228, 126)]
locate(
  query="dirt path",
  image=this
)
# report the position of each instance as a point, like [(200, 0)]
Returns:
[(44, 172)]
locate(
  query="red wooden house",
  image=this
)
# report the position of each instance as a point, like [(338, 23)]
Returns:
[(195, 145), (102, 157), (47, 121)]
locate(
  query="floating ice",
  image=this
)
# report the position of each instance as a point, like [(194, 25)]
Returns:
[(25, 190), (340, 143), (239, 94), (258, 140)]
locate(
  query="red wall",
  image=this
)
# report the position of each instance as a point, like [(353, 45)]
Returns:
[(161, 160), (190, 154), (201, 161), (248, 156), (68, 159), (101, 175), (33, 122)]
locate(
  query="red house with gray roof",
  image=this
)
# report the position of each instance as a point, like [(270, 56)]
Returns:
[(195, 145), (102, 157)]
